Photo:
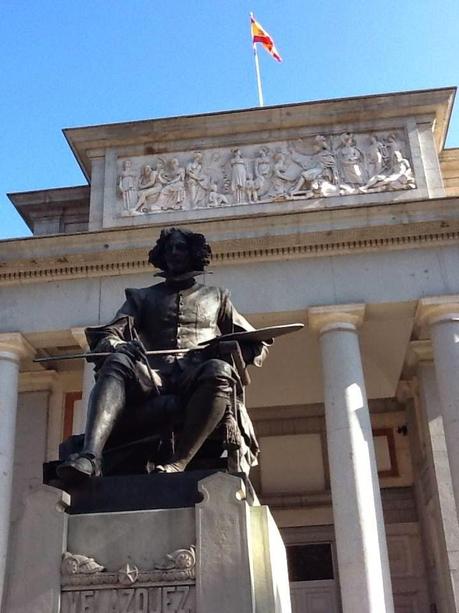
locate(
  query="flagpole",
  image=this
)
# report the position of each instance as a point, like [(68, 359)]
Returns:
[(257, 68)]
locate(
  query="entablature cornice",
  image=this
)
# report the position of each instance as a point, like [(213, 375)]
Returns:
[(414, 224), (85, 141), (37, 381)]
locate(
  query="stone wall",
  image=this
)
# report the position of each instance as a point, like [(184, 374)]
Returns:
[(449, 163)]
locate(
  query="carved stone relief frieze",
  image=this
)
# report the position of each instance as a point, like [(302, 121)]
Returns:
[(79, 570), (320, 166)]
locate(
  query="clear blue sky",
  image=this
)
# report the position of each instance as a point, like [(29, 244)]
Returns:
[(67, 63)]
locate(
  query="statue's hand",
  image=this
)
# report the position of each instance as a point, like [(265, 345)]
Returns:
[(132, 349), (254, 353)]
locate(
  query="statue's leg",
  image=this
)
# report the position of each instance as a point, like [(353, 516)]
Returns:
[(204, 411), (298, 185), (106, 403), (107, 400)]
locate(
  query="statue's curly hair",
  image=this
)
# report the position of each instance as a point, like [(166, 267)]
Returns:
[(198, 246)]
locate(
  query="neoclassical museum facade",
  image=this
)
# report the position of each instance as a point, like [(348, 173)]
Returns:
[(340, 214)]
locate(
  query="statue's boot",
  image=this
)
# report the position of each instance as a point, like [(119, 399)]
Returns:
[(204, 412), (78, 467), (106, 403)]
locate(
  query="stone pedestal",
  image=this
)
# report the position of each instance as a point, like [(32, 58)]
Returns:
[(222, 554), (33, 575)]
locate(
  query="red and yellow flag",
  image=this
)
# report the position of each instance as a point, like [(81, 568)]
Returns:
[(259, 35)]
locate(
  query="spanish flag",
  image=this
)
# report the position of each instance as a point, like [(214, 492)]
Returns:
[(259, 35)]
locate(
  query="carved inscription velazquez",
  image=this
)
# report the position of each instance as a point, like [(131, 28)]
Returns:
[(164, 599)]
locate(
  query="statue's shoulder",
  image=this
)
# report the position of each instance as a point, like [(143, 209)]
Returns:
[(135, 293), (213, 290), (143, 292), (138, 295)]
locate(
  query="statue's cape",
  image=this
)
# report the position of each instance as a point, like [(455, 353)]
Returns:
[(122, 326)]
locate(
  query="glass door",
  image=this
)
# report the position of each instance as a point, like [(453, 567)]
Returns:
[(313, 585)]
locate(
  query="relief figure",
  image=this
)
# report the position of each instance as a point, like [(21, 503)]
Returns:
[(321, 188), (351, 161), (280, 181), (127, 184), (392, 147), (262, 170), (323, 167), (238, 176), (401, 177), (149, 188), (197, 181), (172, 176), (215, 199), (251, 187), (374, 156)]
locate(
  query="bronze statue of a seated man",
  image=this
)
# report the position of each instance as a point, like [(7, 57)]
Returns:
[(176, 314)]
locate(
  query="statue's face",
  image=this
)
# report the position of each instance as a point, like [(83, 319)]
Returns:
[(177, 254)]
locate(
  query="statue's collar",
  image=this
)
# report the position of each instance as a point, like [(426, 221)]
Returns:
[(185, 280)]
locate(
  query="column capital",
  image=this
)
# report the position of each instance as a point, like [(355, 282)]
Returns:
[(94, 154), (15, 345), (337, 316), (418, 351), (405, 391), (80, 337), (435, 309)]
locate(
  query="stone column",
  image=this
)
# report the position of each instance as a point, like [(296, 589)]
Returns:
[(357, 510), (79, 420), (13, 347), (433, 483), (439, 316)]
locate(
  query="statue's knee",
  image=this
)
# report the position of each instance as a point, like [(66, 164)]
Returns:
[(218, 375), (118, 365), (216, 368)]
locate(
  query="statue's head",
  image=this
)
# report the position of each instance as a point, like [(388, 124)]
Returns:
[(347, 138), (178, 251), (320, 142)]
